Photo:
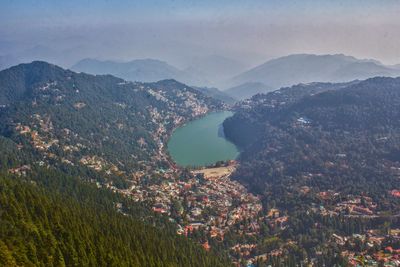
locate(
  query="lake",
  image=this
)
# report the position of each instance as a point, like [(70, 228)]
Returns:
[(201, 142)]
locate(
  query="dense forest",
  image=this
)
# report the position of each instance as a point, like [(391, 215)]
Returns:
[(42, 228)]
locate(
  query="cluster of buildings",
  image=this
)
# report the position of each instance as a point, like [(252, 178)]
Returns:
[(370, 249), (212, 204), (40, 142), (395, 193), (350, 206), (20, 171)]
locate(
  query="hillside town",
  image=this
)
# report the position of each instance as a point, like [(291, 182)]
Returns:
[(202, 200), (204, 203), (207, 201)]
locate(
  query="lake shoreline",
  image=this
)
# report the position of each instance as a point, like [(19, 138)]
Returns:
[(190, 142)]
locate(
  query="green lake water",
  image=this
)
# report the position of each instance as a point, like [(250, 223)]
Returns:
[(201, 142)]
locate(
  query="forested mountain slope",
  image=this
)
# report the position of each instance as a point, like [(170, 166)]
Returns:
[(64, 138), (346, 133), (326, 156), (252, 110), (103, 122)]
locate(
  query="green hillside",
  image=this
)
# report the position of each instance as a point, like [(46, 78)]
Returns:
[(63, 137)]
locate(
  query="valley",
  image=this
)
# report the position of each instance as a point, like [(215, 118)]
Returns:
[(161, 147)]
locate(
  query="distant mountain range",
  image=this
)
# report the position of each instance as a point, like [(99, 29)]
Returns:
[(306, 68), (215, 69), (222, 72), (144, 70), (247, 90), (151, 70), (396, 66), (272, 75), (216, 94)]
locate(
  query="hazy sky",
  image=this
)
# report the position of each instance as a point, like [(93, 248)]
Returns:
[(178, 31)]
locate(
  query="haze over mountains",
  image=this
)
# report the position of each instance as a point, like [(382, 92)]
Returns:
[(216, 69), (306, 68), (144, 70), (216, 94), (7, 61), (248, 89), (273, 74), (151, 70), (62, 57), (213, 70), (229, 76)]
